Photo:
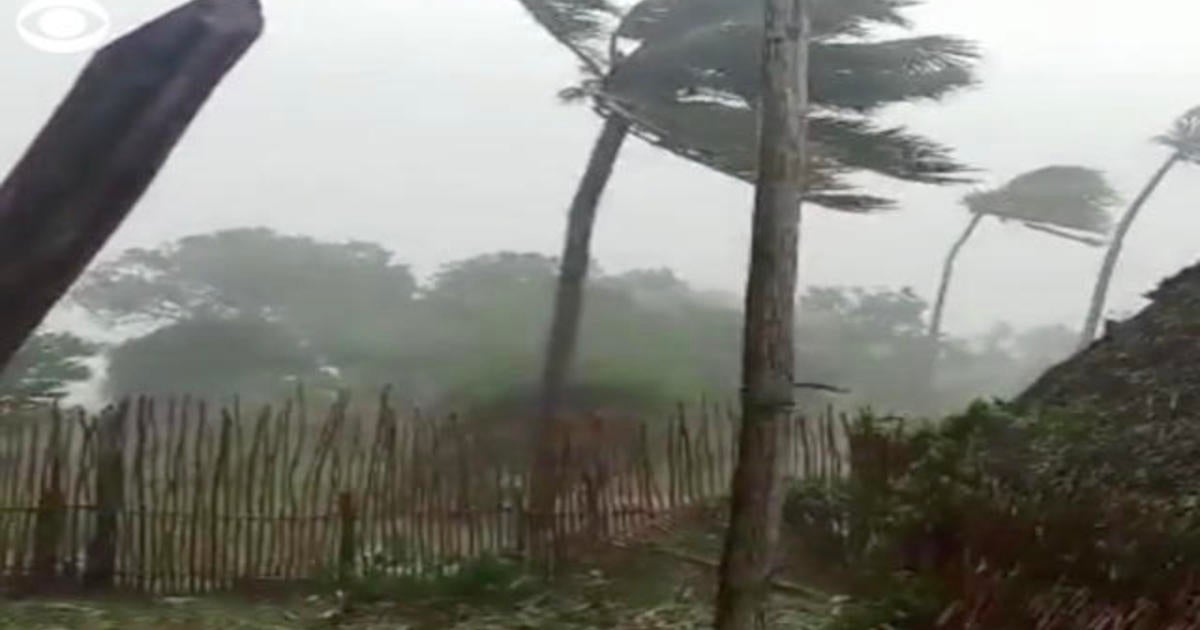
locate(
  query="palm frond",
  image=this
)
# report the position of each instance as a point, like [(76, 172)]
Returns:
[(723, 138), (725, 57), (667, 19), (686, 74), (1067, 197), (1184, 136), (867, 76), (894, 152), (1090, 241), (583, 26)]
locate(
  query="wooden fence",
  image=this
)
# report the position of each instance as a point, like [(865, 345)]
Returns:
[(178, 497)]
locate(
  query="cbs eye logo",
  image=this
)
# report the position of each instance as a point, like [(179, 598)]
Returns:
[(64, 26)]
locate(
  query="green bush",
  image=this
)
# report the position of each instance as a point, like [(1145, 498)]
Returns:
[(987, 515)]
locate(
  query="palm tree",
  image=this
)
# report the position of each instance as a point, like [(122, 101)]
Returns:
[(768, 355), (1184, 141), (684, 76), (1069, 202)]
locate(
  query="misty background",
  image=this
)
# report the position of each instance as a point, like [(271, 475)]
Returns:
[(433, 128)]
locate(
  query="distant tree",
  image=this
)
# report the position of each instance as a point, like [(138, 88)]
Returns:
[(215, 358), (482, 328), (1068, 202), (684, 76), (1043, 346), (473, 338), (866, 341), (1001, 364), (1184, 142), (45, 366), (344, 301), (480, 325)]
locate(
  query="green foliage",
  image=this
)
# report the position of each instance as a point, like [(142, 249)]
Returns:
[(988, 517), (474, 335), (307, 287), (687, 73), (212, 358), (44, 367)]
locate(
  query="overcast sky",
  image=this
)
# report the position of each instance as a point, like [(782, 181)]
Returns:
[(432, 126)]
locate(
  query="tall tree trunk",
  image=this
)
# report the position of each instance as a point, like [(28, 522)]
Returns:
[(928, 373), (564, 329), (939, 306), (1104, 279), (768, 355), (101, 149)]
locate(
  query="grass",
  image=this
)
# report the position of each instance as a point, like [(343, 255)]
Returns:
[(179, 613), (535, 614), (630, 588)]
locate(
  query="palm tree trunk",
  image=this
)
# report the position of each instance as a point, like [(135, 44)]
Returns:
[(1104, 279), (933, 341), (768, 354), (939, 306), (564, 328)]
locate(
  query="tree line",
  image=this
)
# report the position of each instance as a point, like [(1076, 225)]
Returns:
[(253, 312)]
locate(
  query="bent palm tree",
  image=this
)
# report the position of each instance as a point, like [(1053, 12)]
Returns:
[(1069, 202), (1184, 141), (684, 76)]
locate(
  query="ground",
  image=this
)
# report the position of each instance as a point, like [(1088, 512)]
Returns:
[(636, 587), (604, 604)]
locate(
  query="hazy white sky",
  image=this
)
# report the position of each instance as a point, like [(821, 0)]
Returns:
[(432, 126)]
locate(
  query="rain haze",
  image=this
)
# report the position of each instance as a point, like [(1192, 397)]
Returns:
[(341, 342), (433, 128)]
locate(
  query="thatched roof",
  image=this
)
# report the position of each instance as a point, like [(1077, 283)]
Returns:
[(1144, 367)]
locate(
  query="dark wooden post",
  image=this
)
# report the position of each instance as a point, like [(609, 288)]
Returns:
[(348, 545), (101, 149), (101, 567), (47, 535), (51, 517)]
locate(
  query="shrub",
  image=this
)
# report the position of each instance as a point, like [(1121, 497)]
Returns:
[(992, 518)]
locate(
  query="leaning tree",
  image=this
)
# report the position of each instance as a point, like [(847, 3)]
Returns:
[(1069, 202), (1184, 141), (684, 76)]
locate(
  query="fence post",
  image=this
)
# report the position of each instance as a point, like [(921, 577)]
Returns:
[(51, 519), (47, 534), (110, 490), (347, 548)]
